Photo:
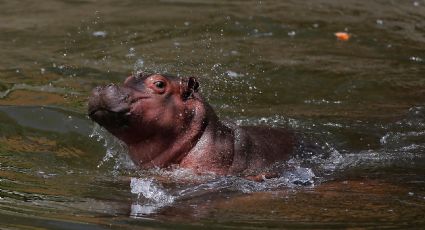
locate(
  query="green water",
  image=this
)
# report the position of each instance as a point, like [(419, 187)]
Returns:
[(271, 62)]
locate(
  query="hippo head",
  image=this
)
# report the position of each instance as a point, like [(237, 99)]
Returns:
[(144, 107)]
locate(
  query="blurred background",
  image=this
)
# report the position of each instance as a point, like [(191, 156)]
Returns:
[(274, 63)]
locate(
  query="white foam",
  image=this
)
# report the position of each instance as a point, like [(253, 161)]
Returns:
[(155, 196)]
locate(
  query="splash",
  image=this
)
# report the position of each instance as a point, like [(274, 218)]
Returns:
[(320, 159), (138, 65), (116, 150), (154, 194), (299, 176), (289, 178), (151, 196)]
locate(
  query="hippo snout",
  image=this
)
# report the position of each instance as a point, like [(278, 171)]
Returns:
[(109, 105)]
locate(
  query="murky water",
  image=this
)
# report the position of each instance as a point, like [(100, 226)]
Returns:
[(259, 62)]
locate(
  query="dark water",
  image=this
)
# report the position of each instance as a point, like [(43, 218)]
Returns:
[(259, 62)]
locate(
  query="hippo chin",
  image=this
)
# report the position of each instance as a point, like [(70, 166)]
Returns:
[(165, 121)]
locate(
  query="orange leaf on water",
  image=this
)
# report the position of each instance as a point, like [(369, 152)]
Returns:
[(342, 36)]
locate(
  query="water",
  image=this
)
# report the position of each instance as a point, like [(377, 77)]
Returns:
[(273, 63)]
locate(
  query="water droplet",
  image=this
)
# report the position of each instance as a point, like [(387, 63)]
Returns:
[(415, 59), (100, 34), (233, 74), (291, 33), (131, 52), (138, 65)]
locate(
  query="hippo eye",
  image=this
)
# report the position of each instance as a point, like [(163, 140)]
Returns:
[(160, 84)]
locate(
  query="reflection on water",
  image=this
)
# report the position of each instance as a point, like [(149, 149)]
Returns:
[(359, 102)]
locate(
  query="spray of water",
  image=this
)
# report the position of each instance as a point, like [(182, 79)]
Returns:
[(151, 196), (116, 150)]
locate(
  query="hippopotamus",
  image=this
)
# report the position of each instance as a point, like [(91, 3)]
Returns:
[(165, 121)]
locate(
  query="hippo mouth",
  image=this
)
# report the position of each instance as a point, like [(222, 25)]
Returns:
[(110, 119)]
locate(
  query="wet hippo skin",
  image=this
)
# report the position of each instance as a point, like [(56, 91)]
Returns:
[(164, 121)]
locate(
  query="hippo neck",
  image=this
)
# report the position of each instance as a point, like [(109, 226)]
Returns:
[(214, 152), (157, 153)]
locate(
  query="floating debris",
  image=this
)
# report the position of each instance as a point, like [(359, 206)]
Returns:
[(342, 36)]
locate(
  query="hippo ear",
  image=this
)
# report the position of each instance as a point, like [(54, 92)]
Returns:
[(191, 86)]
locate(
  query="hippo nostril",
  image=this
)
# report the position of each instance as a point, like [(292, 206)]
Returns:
[(125, 97)]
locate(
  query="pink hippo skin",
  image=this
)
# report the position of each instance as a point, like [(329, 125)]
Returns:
[(165, 121)]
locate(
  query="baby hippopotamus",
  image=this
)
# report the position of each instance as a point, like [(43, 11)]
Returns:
[(164, 121)]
